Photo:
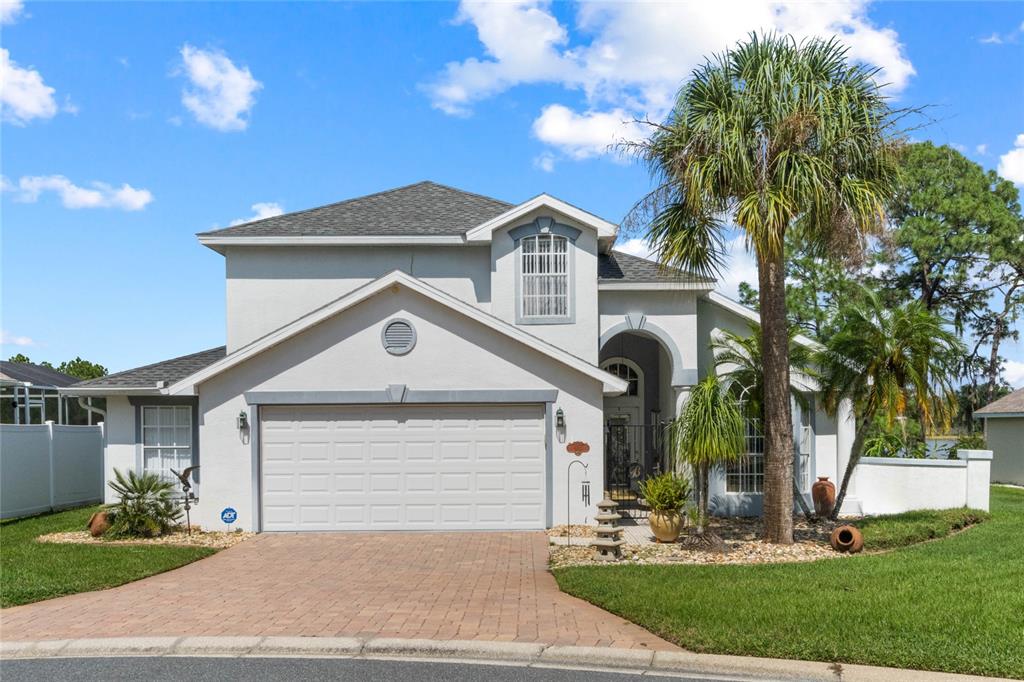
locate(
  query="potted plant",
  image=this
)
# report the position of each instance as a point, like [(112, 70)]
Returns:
[(666, 495)]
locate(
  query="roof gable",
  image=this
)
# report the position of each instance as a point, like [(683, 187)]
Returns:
[(482, 232), (612, 384), (423, 209)]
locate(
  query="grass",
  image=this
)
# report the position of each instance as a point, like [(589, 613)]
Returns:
[(32, 571), (956, 605), (899, 530)]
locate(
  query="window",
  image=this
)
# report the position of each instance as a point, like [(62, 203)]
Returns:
[(746, 474), (544, 277), (166, 439), (624, 371)]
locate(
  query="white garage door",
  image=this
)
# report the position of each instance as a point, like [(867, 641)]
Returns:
[(403, 467)]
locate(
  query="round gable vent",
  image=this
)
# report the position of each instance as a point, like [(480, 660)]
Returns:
[(399, 337)]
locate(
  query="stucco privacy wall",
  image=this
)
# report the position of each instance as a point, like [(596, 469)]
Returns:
[(579, 337), (890, 485), (345, 352), (1005, 436), (268, 287)]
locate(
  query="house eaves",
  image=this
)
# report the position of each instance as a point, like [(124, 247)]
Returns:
[(606, 231), (752, 315), (613, 385)]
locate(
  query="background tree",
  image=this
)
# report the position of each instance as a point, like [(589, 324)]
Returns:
[(776, 136), (709, 432), (884, 359), (82, 369)]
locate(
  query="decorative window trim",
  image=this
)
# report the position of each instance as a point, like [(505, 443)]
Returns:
[(545, 225), (398, 350)]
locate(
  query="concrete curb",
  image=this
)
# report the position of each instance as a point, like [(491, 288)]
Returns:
[(523, 653)]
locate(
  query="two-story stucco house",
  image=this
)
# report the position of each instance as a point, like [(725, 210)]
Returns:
[(421, 358)]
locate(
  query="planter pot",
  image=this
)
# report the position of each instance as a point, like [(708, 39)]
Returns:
[(824, 495), (666, 526), (847, 539), (98, 524)]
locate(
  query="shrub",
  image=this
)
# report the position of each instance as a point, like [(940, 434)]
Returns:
[(967, 441), (885, 444), (666, 492), (147, 507)]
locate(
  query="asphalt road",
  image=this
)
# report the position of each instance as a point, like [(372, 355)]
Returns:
[(169, 669)]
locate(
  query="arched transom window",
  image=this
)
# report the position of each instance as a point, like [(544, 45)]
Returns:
[(544, 273), (624, 371)]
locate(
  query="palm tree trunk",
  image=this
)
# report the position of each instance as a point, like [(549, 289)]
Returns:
[(702, 494), (778, 418), (855, 454)]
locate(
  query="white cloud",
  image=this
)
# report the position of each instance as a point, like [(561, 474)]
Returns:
[(23, 94), (9, 10), (638, 54), (982, 149), (1011, 164), (1013, 372), (220, 94), (545, 162), (8, 339), (636, 247), (97, 195), (959, 147), (585, 135), (740, 266), (993, 39), (260, 211)]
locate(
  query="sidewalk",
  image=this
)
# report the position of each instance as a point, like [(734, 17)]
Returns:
[(512, 653)]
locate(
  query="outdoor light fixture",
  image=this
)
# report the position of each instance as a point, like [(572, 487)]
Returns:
[(559, 418), (242, 421)]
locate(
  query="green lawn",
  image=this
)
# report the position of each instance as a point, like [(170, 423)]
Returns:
[(32, 571), (955, 605)]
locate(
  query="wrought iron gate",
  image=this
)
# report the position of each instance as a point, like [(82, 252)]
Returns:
[(632, 452)]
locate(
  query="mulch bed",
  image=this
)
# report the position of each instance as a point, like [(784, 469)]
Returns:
[(216, 540)]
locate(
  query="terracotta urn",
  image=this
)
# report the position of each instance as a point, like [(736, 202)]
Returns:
[(823, 492), (847, 539), (666, 526), (98, 524)]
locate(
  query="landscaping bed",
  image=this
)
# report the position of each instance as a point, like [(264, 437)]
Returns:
[(180, 537), (32, 571), (953, 605)]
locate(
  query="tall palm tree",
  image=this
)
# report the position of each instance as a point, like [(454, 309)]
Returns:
[(707, 433), (772, 136), (883, 360)]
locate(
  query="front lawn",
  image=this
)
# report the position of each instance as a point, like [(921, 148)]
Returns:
[(955, 605), (32, 571)]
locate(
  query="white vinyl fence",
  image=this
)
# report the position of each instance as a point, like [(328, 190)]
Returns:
[(889, 485), (49, 466)]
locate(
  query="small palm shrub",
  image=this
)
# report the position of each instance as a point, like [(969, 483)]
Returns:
[(147, 507), (666, 492)]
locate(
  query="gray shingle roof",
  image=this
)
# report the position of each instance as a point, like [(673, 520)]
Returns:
[(423, 209), (617, 266), (1008, 404), (34, 374), (169, 370)]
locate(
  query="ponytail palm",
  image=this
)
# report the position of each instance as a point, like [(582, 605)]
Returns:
[(709, 432), (884, 359), (769, 137)]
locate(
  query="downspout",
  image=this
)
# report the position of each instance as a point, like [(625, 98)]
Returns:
[(88, 407)]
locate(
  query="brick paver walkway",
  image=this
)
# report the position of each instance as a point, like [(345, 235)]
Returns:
[(486, 586)]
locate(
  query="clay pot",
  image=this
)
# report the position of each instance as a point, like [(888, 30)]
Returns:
[(847, 539), (824, 495), (98, 524), (666, 526)]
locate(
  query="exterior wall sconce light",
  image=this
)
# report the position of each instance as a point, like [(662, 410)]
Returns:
[(242, 420), (559, 418)]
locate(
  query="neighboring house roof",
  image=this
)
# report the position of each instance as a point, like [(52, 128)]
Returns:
[(612, 384), (1011, 405), (617, 267), (37, 375), (423, 209), (149, 377)]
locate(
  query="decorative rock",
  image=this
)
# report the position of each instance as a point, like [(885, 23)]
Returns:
[(99, 523), (608, 544)]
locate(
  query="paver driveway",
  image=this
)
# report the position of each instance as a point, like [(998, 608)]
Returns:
[(490, 586)]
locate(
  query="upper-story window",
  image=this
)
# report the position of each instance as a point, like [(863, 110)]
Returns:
[(544, 288)]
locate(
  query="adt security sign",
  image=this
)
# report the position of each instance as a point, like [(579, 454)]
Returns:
[(229, 516)]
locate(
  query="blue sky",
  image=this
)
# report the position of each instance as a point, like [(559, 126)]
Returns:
[(190, 115)]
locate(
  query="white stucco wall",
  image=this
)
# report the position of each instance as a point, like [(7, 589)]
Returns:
[(120, 450), (890, 485), (579, 337), (268, 287), (345, 352)]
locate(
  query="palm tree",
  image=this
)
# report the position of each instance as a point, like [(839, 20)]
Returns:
[(773, 136), (707, 433), (883, 360)]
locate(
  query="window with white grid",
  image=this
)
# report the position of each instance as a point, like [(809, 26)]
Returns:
[(166, 439), (746, 474), (544, 277)]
